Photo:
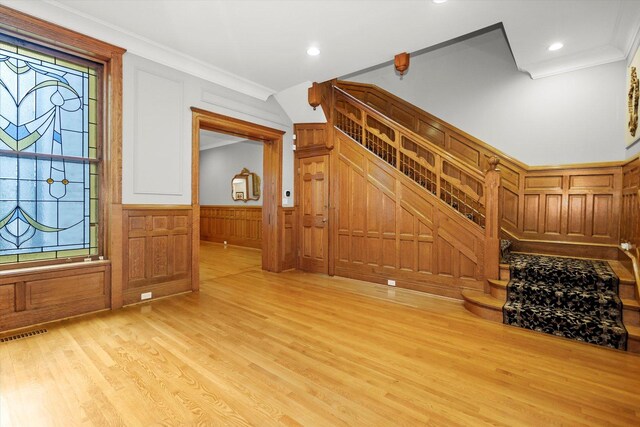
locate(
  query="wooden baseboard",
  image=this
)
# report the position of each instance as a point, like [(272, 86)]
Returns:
[(132, 295), (235, 241), (442, 286)]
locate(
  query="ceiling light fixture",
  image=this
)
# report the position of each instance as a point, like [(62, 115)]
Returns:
[(555, 46), (438, 1), (313, 51)]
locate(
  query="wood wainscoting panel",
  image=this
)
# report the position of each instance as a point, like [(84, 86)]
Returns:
[(552, 214), (7, 298), (531, 213), (47, 292), (310, 135), (571, 205), (577, 211), (630, 217), (288, 238), (603, 216), (237, 225), (510, 206), (157, 251), (40, 294), (388, 227)]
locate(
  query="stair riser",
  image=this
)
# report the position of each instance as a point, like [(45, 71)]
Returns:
[(498, 292), (627, 290), (505, 274), (484, 312), (633, 345), (631, 317)]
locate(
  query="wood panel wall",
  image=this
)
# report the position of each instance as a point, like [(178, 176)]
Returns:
[(157, 251), (630, 217), (40, 294), (578, 206), (237, 225), (388, 227), (288, 238), (567, 205), (310, 135)]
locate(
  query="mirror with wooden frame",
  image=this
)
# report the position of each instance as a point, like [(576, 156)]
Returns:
[(245, 186)]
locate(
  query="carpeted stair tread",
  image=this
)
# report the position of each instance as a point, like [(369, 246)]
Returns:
[(567, 323), (605, 303), (595, 275), (499, 283), (573, 298)]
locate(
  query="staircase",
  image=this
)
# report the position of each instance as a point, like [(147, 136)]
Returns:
[(490, 305), (486, 189)]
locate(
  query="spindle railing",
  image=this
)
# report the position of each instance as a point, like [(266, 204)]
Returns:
[(441, 174)]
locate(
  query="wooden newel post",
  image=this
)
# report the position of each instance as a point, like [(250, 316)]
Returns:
[(492, 220)]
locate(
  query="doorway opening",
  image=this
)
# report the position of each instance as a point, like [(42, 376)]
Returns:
[(231, 187), (271, 191)]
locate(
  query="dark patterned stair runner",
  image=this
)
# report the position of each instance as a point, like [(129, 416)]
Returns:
[(567, 297)]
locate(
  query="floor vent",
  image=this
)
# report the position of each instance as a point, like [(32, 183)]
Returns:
[(23, 335)]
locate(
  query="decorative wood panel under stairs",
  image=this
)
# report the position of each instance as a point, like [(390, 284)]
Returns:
[(577, 210)]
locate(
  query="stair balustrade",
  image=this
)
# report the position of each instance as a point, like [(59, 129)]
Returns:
[(450, 180)]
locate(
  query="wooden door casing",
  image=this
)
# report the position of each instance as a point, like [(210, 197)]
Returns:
[(314, 214)]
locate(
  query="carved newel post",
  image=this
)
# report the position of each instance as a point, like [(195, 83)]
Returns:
[(492, 220)]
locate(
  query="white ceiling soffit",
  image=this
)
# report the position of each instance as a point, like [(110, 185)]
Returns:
[(258, 47), (209, 139)]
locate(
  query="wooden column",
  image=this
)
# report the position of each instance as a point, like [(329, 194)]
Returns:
[(492, 221)]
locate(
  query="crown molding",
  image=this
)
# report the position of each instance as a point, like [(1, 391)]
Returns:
[(590, 58), (52, 11)]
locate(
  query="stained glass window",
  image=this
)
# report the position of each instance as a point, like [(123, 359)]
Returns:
[(49, 163)]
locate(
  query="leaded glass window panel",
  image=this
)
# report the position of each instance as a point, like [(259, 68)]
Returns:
[(48, 156)]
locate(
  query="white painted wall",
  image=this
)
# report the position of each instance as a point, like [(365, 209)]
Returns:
[(219, 165), (295, 102), (474, 85), (156, 164)]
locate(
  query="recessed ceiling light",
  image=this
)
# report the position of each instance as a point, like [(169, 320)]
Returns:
[(556, 46), (313, 51), (438, 1)]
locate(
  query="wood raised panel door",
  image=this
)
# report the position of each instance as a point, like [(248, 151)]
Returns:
[(314, 214)]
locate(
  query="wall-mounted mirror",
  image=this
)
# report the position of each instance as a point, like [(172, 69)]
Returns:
[(245, 186)]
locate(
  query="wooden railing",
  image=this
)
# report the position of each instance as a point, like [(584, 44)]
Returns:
[(431, 167)]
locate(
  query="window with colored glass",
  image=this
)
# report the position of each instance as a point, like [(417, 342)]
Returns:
[(49, 154)]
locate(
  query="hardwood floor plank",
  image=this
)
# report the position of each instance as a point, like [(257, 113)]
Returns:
[(257, 348)]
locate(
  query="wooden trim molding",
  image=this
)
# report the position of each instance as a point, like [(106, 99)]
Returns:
[(272, 182), (156, 207)]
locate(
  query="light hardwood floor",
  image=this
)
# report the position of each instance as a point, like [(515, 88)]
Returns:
[(294, 348)]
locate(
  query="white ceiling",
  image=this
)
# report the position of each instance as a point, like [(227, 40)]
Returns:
[(258, 47)]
